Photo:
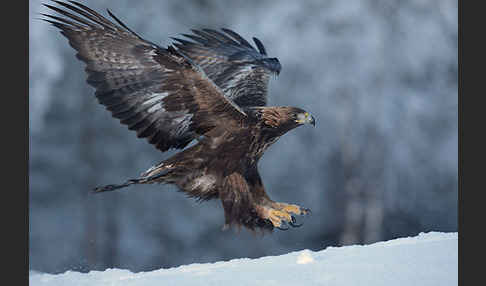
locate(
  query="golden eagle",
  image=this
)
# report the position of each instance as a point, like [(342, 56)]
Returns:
[(211, 87)]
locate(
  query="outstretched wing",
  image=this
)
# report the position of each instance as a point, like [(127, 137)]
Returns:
[(232, 63), (157, 92)]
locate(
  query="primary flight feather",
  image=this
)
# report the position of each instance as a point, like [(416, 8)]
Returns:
[(212, 87)]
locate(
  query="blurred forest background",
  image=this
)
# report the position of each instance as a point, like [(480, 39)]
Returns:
[(380, 76)]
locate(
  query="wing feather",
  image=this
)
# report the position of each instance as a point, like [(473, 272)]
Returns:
[(260, 46), (232, 63), (159, 93), (237, 37)]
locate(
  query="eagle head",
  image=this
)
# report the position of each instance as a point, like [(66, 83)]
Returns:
[(272, 64), (301, 116), (282, 118)]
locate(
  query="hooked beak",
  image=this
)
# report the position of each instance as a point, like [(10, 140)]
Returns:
[(312, 121), (305, 118)]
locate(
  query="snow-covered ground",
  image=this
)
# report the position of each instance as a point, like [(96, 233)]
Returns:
[(427, 259)]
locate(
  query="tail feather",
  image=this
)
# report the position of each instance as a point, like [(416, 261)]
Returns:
[(108, 188), (157, 172), (153, 175)]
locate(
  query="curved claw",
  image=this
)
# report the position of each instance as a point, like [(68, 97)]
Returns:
[(282, 226), (265, 224), (294, 223), (307, 211)]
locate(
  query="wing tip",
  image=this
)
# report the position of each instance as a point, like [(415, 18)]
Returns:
[(260, 46)]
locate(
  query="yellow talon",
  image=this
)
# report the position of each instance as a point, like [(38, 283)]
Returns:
[(281, 213), (276, 216), (290, 208)]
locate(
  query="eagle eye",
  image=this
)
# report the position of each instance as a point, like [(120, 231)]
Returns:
[(301, 117)]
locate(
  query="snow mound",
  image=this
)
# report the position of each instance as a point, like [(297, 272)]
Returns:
[(427, 259)]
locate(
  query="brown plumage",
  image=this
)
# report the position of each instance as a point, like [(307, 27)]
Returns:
[(167, 97)]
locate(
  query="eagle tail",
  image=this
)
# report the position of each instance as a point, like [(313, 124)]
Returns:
[(156, 174), (108, 188)]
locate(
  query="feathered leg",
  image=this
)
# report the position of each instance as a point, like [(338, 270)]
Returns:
[(239, 206)]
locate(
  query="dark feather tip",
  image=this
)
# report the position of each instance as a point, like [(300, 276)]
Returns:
[(260, 46)]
